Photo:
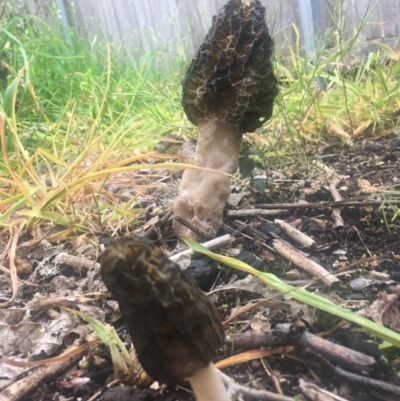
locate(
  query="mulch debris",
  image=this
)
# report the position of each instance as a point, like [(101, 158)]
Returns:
[(313, 355)]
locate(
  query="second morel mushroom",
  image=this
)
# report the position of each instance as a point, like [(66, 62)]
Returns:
[(228, 90), (174, 327)]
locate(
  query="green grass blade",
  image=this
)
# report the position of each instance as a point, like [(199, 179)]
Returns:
[(302, 295), (107, 334), (8, 98)]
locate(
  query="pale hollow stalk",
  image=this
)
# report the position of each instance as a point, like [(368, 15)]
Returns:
[(208, 386), (203, 194)]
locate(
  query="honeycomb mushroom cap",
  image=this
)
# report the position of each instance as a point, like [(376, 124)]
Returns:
[(173, 325), (231, 77)]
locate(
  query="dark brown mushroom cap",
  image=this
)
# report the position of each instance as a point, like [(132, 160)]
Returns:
[(230, 78), (173, 325)]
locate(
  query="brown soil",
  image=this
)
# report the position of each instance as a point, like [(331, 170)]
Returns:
[(368, 239)]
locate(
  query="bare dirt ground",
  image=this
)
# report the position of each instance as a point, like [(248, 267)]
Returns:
[(358, 240)]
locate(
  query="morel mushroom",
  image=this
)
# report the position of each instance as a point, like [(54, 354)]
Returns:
[(174, 327), (228, 90)]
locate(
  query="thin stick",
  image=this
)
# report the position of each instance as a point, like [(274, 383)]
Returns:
[(254, 212), (339, 354), (59, 302), (277, 237), (336, 216), (42, 375), (362, 381), (306, 264), (313, 392), (213, 244), (192, 227), (254, 231), (295, 234), (361, 240), (235, 389), (322, 205), (77, 262), (272, 376), (151, 232)]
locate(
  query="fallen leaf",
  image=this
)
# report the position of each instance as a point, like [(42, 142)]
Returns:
[(385, 310)]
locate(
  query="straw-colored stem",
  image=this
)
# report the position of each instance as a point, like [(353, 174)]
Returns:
[(202, 194), (208, 386)]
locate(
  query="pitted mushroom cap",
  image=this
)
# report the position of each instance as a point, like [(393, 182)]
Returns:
[(231, 78), (173, 325)]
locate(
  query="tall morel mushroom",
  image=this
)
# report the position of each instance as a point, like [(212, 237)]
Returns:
[(174, 327), (228, 90)]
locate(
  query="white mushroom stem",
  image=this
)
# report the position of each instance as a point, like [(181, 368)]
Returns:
[(207, 385), (202, 194)]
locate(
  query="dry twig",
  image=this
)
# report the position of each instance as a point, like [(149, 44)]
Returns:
[(323, 205), (41, 375), (363, 381), (239, 392), (304, 263), (212, 244), (152, 232), (343, 356), (315, 393), (194, 228), (296, 235), (76, 262), (336, 216), (254, 212)]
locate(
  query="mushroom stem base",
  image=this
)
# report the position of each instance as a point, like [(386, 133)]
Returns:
[(208, 386), (202, 193)]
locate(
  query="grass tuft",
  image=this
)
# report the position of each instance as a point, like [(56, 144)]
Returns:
[(77, 114)]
